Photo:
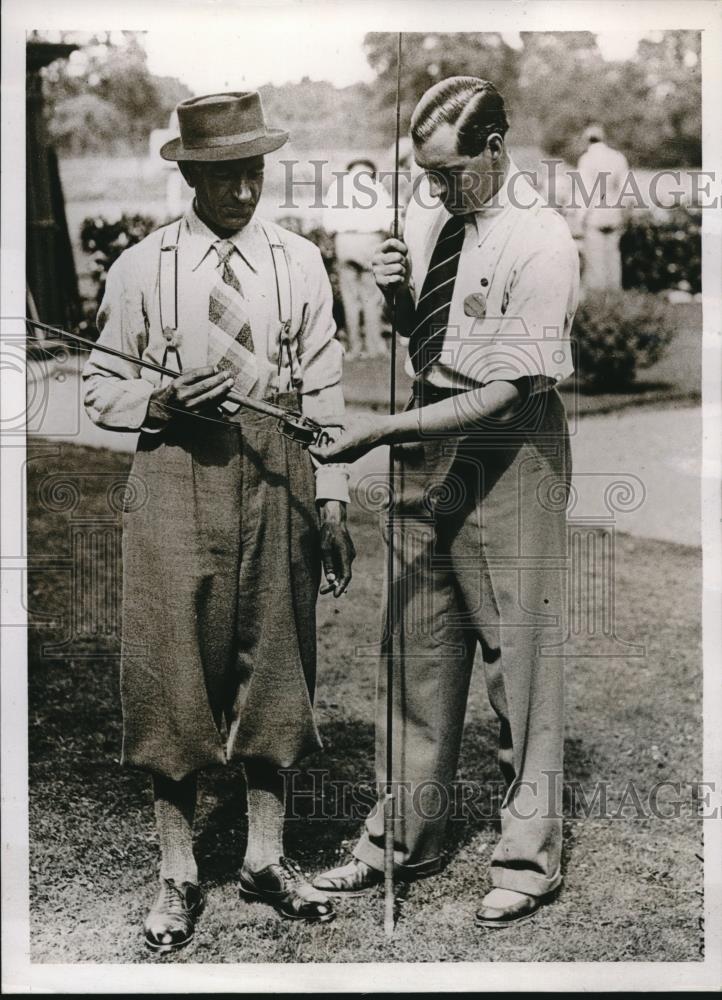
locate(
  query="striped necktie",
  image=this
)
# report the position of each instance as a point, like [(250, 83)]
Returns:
[(432, 310), (225, 308)]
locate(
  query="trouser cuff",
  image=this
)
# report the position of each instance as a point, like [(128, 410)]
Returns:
[(528, 882), (373, 856)]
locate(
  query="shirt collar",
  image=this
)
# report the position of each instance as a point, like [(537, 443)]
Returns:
[(201, 239), (502, 199)]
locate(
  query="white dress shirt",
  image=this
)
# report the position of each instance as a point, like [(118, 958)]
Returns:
[(515, 294), (117, 392)]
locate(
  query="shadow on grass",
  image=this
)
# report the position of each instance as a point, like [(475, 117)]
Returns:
[(324, 821)]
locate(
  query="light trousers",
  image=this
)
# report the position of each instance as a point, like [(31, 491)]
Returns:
[(480, 550)]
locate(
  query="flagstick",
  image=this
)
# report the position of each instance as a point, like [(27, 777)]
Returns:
[(389, 896)]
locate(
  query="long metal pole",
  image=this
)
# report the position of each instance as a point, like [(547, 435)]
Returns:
[(389, 895)]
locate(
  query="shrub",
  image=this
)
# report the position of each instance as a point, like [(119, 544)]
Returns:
[(616, 334), (662, 253), (107, 240), (326, 244)]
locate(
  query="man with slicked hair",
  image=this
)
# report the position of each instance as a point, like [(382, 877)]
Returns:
[(486, 283)]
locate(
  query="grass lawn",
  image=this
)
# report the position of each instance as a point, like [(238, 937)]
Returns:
[(632, 887), (675, 378)]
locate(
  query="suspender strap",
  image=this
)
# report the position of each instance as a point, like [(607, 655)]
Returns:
[(168, 296), (283, 281), (282, 273), (168, 283)]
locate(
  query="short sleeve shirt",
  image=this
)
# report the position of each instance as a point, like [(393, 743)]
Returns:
[(516, 289)]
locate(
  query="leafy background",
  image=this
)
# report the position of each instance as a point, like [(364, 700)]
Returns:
[(555, 84)]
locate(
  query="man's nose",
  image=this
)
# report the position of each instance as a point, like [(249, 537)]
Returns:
[(243, 190)]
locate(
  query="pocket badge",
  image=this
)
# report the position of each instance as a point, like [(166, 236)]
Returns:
[(475, 305)]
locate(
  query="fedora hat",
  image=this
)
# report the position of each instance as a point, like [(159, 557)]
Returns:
[(222, 127)]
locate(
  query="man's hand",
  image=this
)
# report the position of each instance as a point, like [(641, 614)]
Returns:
[(337, 549), (390, 266), (191, 391), (361, 432)]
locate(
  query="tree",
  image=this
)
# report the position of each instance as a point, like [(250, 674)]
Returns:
[(85, 123), (105, 99), (650, 106), (671, 61), (557, 84), (430, 57), (321, 116)]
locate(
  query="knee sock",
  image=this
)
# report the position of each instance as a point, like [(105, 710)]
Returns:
[(266, 814), (175, 804)]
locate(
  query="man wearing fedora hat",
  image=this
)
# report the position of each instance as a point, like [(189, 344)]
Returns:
[(222, 561)]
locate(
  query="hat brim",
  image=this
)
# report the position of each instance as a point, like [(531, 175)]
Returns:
[(273, 139)]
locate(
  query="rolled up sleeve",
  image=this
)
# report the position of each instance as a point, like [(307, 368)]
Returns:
[(321, 358), (116, 394)]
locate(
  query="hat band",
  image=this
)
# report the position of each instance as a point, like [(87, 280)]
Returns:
[(204, 142)]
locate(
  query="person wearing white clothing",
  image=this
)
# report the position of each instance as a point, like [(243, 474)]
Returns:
[(358, 212), (603, 172), (486, 283)]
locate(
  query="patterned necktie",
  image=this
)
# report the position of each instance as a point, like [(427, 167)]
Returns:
[(432, 310), (224, 308)]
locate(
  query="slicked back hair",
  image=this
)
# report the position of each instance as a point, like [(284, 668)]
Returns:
[(473, 105)]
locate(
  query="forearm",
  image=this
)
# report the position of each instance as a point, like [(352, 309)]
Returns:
[(114, 402), (326, 407), (459, 414), (332, 510)]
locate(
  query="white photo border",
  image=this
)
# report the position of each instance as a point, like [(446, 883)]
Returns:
[(19, 975)]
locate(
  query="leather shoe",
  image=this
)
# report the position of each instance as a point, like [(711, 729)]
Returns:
[(519, 908), (284, 886), (352, 879), (171, 922)]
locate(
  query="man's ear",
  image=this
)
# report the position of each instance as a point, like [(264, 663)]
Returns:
[(188, 171), (495, 145)]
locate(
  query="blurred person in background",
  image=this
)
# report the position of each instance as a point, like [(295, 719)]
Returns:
[(358, 213), (603, 172)]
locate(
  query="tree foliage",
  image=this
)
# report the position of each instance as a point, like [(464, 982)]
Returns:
[(554, 83), (320, 115), (557, 83), (650, 106), (428, 58), (104, 98)]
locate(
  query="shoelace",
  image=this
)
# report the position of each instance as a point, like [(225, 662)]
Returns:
[(172, 899), (292, 869), (298, 881)]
